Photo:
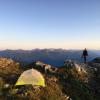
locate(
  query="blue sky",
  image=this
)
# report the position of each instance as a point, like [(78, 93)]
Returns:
[(68, 24)]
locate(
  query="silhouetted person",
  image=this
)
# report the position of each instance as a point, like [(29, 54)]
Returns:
[(84, 55)]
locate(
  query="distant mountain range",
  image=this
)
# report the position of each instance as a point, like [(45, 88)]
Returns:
[(55, 57)]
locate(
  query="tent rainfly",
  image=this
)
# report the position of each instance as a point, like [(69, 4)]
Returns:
[(31, 77)]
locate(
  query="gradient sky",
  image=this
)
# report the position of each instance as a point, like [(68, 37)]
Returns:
[(68, 24)]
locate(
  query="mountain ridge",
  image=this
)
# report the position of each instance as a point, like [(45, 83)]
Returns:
[(54, 57), (72, 81)]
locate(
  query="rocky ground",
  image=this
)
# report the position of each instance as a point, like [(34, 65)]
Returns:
[(72, 81)]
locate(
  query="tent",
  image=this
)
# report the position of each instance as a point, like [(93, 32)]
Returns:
[(31, 77)]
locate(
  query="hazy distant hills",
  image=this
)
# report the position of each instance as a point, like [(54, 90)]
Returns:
[(55, 57)]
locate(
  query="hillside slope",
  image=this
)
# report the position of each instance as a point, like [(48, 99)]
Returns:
[(72, 81)]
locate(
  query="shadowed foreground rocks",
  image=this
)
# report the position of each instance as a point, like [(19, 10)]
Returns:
[(72, 81)]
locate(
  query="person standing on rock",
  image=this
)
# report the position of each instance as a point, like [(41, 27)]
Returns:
[(84, 55)]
